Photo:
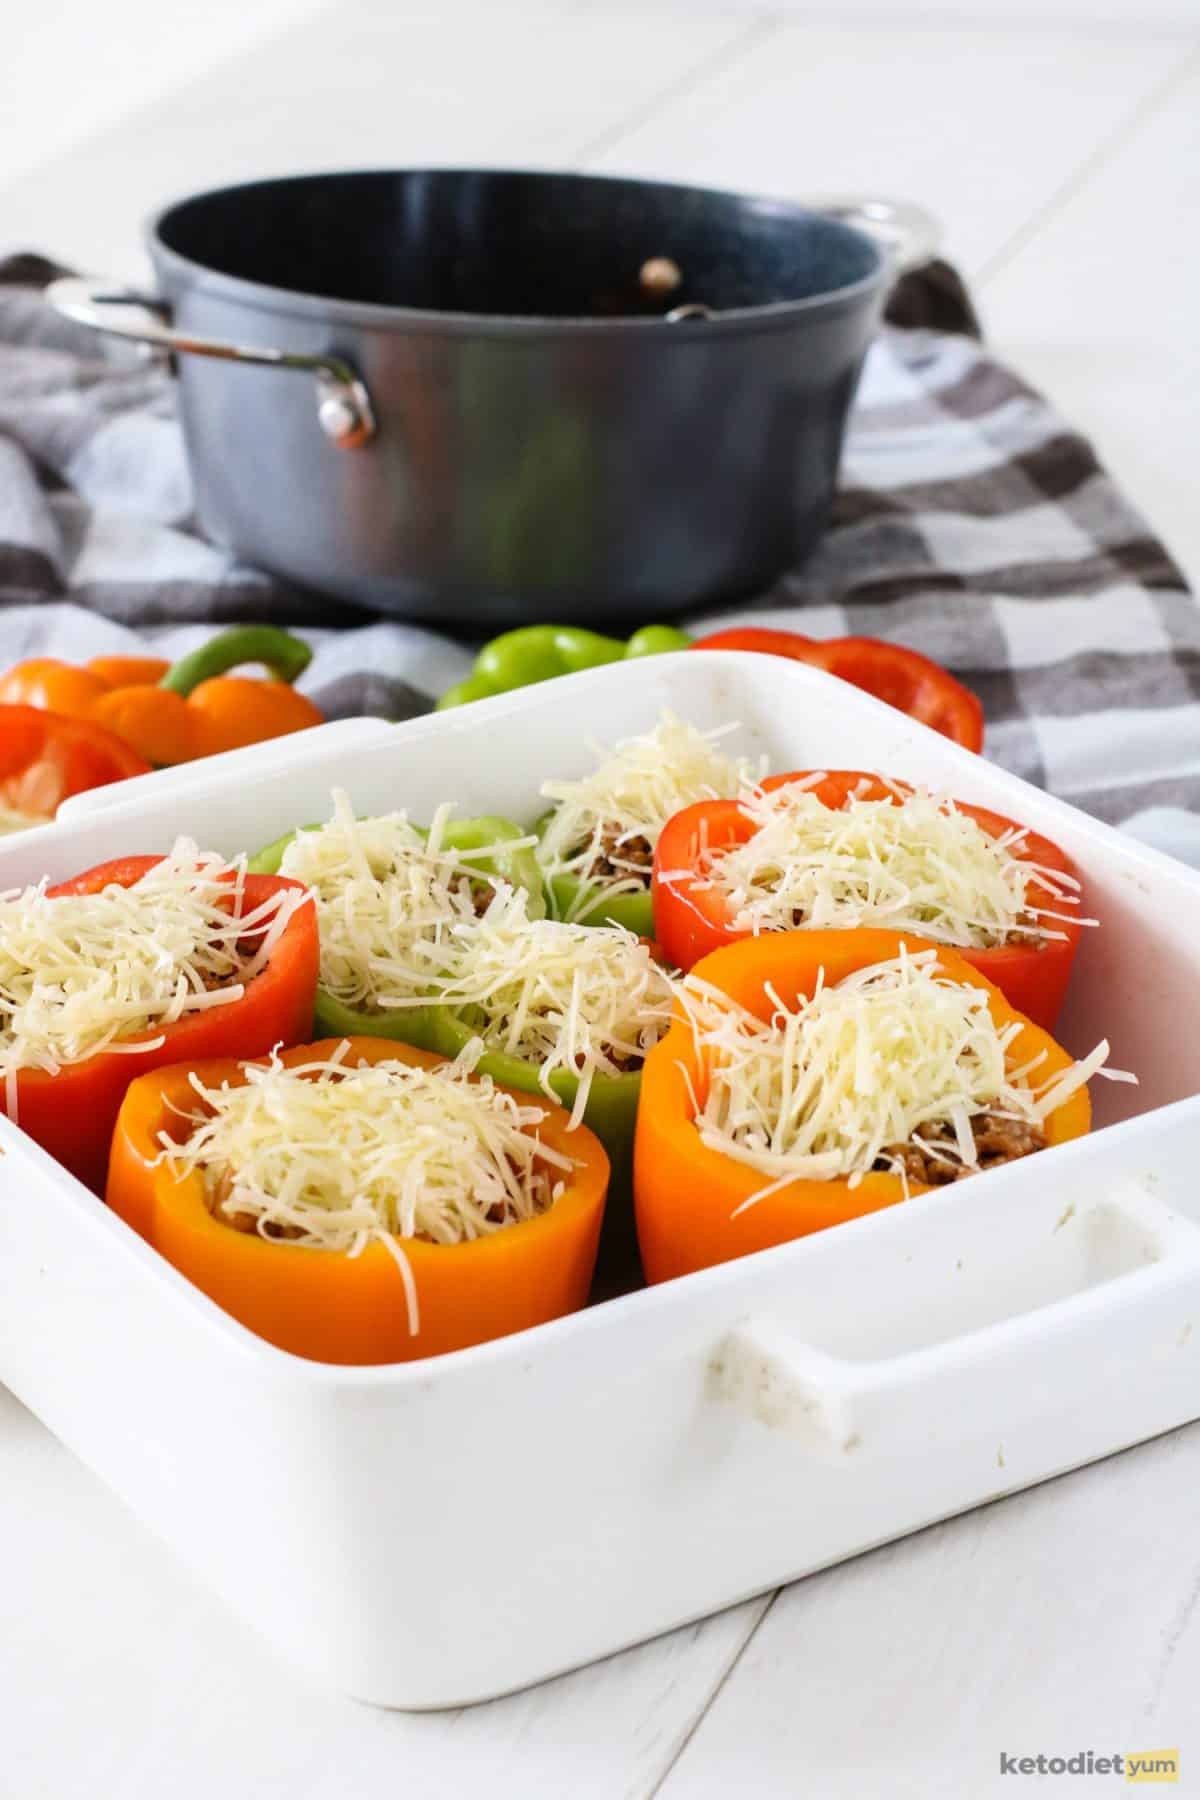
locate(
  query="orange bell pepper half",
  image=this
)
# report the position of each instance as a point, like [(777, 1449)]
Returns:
[(686, 1194), (45, 758), (691, 921), (175, 712), (72, 1114), (903, 678), (331, 1306)]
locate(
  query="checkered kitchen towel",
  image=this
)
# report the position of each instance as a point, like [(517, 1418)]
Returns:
[(972, 523)]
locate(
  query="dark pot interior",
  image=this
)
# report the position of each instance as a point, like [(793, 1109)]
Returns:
[(514, 245)]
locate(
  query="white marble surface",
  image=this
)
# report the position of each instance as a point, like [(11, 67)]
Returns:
[(1060, 144)]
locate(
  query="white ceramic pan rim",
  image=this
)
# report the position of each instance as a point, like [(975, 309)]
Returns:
[(199, 785)]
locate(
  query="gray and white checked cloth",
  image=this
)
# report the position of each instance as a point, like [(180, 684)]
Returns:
[(971, 523)]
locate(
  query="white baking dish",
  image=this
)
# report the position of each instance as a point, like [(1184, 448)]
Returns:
[(441, 1532)]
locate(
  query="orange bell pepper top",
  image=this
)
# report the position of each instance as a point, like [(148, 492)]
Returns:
[(331, 1306), (174, 712), (691, 921), (72, 1114), (686, 1194), (45, 758), (903, 678)]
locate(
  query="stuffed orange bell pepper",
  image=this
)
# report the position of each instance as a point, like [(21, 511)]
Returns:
[(70, 1107), (396, 1296), (175, 712), (699, 1203), (45, 758), (892, 879)]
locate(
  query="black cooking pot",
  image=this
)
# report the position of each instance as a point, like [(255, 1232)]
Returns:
[(487, 397)]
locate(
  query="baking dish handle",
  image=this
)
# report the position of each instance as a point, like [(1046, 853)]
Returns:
[(908, 234), (344, 410), (984, 1383)]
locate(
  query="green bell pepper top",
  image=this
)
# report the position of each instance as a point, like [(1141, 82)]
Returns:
[(540, 652), (415, 1024)]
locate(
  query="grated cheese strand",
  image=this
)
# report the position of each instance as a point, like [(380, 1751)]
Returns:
[(385, 898), (84, 973), (919, 865), (590, 1000), (334, 1157), (822, 1092), (625, 802)]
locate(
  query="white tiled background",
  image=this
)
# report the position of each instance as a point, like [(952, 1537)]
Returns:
[(1059, 140)]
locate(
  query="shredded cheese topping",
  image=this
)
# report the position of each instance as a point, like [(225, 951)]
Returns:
[(386, 897), (914, 865), (332, 1156), (826, 1091), (604, 828), (82, 973), (590, 1000)]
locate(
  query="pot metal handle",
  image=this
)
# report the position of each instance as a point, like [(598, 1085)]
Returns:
[(910, 235), (344, 410)]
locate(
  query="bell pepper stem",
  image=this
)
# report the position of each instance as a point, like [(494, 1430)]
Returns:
[(286, 657)]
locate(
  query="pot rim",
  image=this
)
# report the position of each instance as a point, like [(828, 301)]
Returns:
[(771, 315)]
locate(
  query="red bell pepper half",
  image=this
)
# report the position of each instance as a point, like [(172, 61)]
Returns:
[(45, 758), (72, 1114), (905, 679)]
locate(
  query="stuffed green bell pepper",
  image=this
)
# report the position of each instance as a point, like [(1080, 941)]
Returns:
[(388, 895), (596, 846), (564, 1010)]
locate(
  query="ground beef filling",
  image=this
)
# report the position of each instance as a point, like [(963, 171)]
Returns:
[(618, 859), (478, 889), (997, 1140), (1026, 932), (210, 981), (624, 1061)]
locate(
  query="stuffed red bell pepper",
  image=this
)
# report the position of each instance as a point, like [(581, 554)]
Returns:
[(844, 850), (134, 964)]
